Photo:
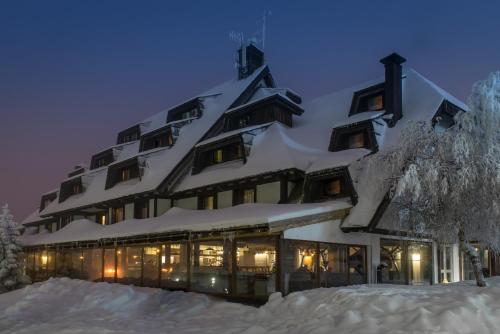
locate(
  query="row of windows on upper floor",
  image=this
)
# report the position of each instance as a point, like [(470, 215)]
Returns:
[(317, 189)]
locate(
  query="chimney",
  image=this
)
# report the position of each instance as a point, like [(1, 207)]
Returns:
[(250, 58), (393, 86)]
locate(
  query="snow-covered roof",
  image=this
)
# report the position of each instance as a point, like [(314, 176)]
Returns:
[(33, 217), (305, 145), (276, 216), (158, 164)]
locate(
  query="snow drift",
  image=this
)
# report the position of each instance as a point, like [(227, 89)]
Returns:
[(72, 306)]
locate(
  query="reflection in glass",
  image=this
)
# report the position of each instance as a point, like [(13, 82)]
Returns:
[(333, 263), (129, 265), (151, 270), (256, 271), (174, 260), (299, 265), (211, 266), (109, 264), (357, 268), (92, 264)]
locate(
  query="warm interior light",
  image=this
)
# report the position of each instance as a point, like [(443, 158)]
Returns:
[(81, 257), (44, 259), (415, 256), (307, 260)]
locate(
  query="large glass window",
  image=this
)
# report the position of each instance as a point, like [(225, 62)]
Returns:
[(129, 265), (299, 265), (41, 260), (333, 263), (151, 266), (445, 264), (174, 265), (174, 262), (63, 263), (109, 265), (30, 264), (211, 266), (76, 264), (51, 263), (405, 262), (256, 271), (466, 265), (420, 259), (92, 264), (357, 265), (392, 253)]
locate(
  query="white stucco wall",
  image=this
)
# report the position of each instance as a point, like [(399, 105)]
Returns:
[(129, 211), (163, 205), (224, 199), (268, 193), (186, 203), (151, 207)]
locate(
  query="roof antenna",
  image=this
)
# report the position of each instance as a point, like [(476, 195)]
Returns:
[(238, 38), (264, 19)]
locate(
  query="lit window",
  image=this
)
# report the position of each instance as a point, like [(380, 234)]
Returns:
[(125, 174), (102, 219), (333, 187), (243, 121), (208, 203), (248, 196), (118, 214), (375, 103), (218, 156), (77, 188), (356, 140)]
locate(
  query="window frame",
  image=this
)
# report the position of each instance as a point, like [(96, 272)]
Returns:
[(358, 96), (340, 136)]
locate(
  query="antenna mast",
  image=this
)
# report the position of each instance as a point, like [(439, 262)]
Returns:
[(264, 18)]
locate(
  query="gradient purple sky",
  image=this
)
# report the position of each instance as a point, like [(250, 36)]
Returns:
[(74, 73)]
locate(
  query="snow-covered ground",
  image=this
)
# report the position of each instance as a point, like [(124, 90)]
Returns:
[(73, 306)]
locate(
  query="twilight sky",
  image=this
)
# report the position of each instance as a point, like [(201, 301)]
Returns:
[(74, 73)]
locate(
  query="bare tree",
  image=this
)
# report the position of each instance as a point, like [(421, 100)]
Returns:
[(446, 184)]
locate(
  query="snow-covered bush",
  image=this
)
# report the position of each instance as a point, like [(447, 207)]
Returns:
[(10, 274), (447, 184)]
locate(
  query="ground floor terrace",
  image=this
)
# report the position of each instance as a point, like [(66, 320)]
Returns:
[(246, 252)]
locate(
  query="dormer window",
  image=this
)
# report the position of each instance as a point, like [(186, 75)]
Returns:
[(332, 187), (129, 135), (159, 138), (47, 199), (360, 135), (230, 149), (269, 109), (188, 110), (122, 172), (369, 99), (445, 116), (77, 188), (102, 159), (328, 185), (356, 140), (69, 188)]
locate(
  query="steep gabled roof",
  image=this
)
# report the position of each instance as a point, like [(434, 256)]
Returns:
[(159, 164)]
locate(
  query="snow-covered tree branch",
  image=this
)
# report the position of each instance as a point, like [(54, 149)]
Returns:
[(446, 184), (10, 275)]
